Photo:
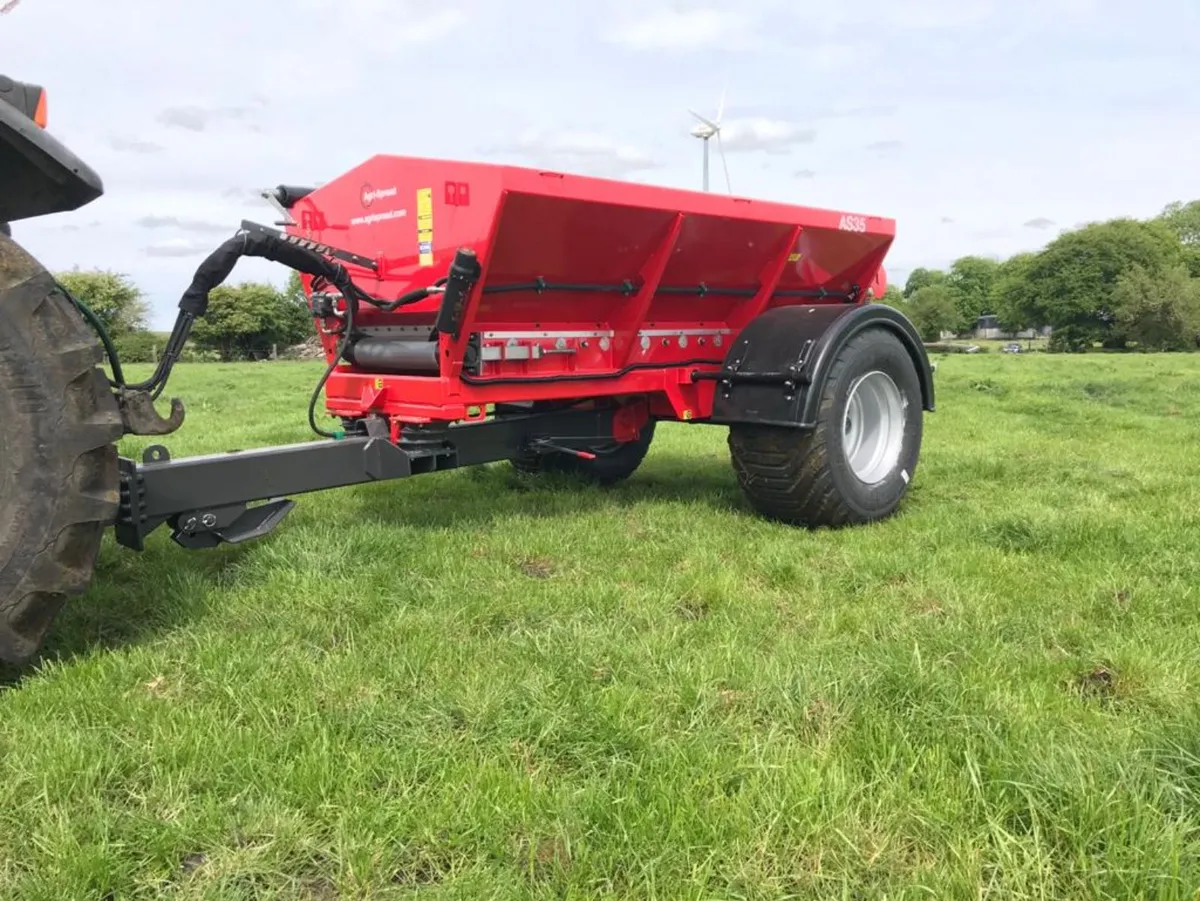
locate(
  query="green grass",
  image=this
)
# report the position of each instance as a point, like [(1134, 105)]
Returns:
[(472, 685)]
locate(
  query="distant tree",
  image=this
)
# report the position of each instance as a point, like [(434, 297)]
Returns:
[(1159, 311), (1071, 281), (244, 321), (1010, 294), (892, 297), (297, 302), (971, 279), (140, 346), (1183, 219), (933, 310), (922, 278), (294, 291), (113, 297)]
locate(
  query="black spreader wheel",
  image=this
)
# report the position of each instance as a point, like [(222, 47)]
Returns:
[(58, 459), (856, 465), (614, 461)]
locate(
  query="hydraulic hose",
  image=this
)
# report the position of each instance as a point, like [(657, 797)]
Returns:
[(217, 267), (252, 240), (110, 349)]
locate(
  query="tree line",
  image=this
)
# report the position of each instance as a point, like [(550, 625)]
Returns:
[(1122, 284), (246, 321)]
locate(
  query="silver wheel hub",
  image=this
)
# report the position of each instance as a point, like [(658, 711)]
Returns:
[(873, 428)]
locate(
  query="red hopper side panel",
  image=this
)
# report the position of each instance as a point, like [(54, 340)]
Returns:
[(604, 274)]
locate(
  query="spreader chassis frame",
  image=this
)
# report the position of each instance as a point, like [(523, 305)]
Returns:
[(205, 499)]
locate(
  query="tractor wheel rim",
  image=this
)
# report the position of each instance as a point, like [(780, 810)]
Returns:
[(873, 428)]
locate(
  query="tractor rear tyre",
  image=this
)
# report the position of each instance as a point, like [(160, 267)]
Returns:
[(856, 465), (59, 423)]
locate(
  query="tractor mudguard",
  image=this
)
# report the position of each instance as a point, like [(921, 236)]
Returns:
[(775, 371), (38, 175)]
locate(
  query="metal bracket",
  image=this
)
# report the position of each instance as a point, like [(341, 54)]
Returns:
[(269, 195), (731, 373), (139, 417), (336, 253), (473, 355), (133, 523), (548, 446), (234, 524)]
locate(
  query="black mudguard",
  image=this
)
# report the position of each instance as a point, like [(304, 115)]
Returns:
[(38, 175), (774, 372)]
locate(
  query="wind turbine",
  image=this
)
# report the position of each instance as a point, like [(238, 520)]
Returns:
[(706, 130)]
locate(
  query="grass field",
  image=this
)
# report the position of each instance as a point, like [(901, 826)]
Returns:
[(476, 686)]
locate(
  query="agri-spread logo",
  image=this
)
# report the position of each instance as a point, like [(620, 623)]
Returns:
[(369, 195)]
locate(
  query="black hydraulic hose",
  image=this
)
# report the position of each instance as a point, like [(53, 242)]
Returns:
[(217, 267), (171, 354), (405, 299), (110, 350), (340, 355), (250, 240), (292, 252), (347, 337)]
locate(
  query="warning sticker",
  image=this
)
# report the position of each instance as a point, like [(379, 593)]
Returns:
[(425, 226)]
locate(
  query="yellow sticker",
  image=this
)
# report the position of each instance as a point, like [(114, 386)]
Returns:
[(794, 257), (425, 226), (379, 384)]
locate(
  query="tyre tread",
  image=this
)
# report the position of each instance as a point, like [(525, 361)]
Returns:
[(786, 473), (83, 455)]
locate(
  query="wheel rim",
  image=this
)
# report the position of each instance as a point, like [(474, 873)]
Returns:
[(873, 427)]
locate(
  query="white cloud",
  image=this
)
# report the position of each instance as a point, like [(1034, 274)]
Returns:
[(188, 225), (585, 152), (830, 34), (432, 28), (831, 55), (681, 29), (132, 145), (939, 14), (384, 23), (763, 134), (196, 118), (179, 247), (821, 33)]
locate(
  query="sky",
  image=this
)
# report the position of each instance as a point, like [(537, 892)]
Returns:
[(981, 126)]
